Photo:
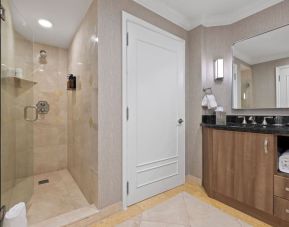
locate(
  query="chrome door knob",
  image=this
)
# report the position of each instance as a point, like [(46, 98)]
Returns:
[(180, 121)]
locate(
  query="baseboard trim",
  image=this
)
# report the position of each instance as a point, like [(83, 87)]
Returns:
[(193, 180)]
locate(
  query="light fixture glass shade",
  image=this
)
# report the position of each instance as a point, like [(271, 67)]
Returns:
[(219, 68), (45, 23)]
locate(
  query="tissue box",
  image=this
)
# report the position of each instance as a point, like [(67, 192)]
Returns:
[(221, 118)]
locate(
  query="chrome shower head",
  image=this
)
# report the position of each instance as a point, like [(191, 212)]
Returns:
[(43, 54), (42, 57)]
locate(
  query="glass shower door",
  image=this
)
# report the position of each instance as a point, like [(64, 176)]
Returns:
[(16, 94)]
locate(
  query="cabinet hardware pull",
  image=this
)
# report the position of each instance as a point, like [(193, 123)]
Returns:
[(287, 189), (266, 142), (287, 211)]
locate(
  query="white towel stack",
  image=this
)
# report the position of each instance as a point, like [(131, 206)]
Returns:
[(284, 162), (210, 102)]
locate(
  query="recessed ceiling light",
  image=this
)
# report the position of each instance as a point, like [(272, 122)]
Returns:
[(45, 23)]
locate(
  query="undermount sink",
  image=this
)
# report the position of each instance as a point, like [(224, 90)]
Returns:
[(236, 125), (232, 125)]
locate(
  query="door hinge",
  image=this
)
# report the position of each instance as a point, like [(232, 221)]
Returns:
[(127, 187), (127, 39), (127, 113), (2, 13)]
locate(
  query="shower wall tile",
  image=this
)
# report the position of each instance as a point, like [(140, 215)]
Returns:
[(47, 137), (50, 131), (16, 136), (82, 107), (50, 158)]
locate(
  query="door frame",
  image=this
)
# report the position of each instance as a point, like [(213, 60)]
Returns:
[(278, 68), (126, 17)]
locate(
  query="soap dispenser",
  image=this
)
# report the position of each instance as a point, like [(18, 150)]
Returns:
[(71, 83)]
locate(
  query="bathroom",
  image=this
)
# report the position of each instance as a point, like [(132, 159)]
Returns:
[(85, 143)]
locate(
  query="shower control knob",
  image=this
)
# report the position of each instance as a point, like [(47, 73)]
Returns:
[(180, 121), (42, 107)]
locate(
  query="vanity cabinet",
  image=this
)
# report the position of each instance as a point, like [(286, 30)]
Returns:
[(281, 187), (243, 168)]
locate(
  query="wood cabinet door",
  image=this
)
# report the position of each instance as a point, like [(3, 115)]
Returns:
[(223, 162), (208, 160), (254, 170), (243, 167)]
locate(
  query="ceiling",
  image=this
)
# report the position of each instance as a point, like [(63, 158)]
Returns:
[(192, 13), (263, 48), (66, 16)]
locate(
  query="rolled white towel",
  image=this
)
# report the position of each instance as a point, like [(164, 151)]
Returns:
[(212, 103), (284, 162), (205, 101)]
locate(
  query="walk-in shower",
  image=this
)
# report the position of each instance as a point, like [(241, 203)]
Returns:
[(48, 157)]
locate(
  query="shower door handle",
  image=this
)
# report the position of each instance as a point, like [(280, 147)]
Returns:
[(26, 115)]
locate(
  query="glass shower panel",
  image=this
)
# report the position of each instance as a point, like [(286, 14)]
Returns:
[(16, 94)]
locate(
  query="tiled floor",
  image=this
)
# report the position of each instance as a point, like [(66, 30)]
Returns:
[(158, 210), (184, 210), (59, 196)]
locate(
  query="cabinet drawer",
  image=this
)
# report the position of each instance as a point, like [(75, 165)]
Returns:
[(281, 187), (281, 208)]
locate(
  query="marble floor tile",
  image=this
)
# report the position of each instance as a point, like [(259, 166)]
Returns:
[(198, 210), (173, 211), (59, 196), (184, 210)]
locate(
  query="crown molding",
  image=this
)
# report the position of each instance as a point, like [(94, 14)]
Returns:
[(188, 24), (168, 13), (240, 14)]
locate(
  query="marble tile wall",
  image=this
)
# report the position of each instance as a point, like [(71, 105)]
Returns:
[(16, 133), (50, 131), (83, 107), (8, 155)]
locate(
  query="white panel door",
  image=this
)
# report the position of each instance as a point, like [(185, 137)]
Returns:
[(283, 87), (156, 105)]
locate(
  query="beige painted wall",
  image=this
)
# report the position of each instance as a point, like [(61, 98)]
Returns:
[(264, 82), (220, 39), (110, 90), (193, 107), (218, 42), (82, 107)]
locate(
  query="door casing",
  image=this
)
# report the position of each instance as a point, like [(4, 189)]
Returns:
[(278, 89)]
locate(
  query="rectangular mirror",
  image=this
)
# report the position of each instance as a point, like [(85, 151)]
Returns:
[(261, 71)]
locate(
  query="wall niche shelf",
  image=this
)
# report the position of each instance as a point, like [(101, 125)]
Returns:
[(18, 82)]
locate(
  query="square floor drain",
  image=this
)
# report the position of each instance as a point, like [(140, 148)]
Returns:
[(46, 181)]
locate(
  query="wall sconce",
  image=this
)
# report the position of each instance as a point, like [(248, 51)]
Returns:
[(219, 69)]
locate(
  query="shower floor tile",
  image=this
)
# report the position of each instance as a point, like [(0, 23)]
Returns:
[(59, 196)]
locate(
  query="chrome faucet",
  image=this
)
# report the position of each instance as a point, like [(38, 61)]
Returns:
[(253, 120), (244, 119), (265, 123)]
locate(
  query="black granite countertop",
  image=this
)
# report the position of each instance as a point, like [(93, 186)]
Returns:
[(270, 129)]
